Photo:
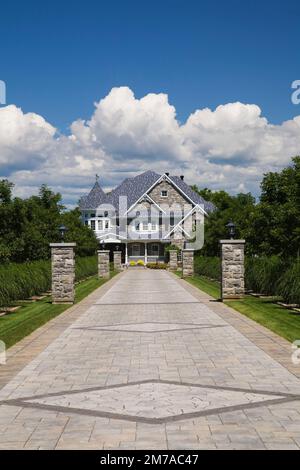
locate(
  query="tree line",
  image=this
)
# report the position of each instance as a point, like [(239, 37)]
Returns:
[(27, 226), (270, 226)]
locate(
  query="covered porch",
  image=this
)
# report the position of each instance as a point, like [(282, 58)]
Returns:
[(149, 252)]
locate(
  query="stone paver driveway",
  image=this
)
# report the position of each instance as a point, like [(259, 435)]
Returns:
[(149, 362)]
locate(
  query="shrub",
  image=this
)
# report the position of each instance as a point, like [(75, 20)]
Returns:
[(157, 265), (140, 262), (289, 284), (262, 274), (132, 263), (209, 266), (85, 267), (18, 281)]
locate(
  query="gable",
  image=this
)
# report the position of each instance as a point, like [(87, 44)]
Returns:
[(173, 195)]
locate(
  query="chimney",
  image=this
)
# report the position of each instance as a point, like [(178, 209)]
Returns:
[(167, 173), (182, 177)]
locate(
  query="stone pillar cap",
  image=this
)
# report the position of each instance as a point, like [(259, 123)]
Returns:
[(187, 249), (102, 251), (62, 245), (231, 241)]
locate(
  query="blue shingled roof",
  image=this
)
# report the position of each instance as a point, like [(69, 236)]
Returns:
[(195, 197), (134, 188), (95, 197)]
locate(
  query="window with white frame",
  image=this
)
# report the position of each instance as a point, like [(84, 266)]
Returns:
[(164, 193), (93, 225), (103, 224)]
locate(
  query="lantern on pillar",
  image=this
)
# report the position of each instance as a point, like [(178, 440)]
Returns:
[(231, 229)]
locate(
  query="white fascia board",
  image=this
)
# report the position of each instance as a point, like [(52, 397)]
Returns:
[(194, 209), (143, 195), (112, 234)]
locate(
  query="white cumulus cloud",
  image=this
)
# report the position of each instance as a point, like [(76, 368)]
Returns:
[(227, 148)]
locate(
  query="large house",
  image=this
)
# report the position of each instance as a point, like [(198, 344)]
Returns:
[(144, 214)]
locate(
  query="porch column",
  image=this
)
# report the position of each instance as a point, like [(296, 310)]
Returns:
[(126, 253), (146, 253), (63, 272)]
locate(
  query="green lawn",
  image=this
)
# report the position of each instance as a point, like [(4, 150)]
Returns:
[(285, 323), (17, 325)]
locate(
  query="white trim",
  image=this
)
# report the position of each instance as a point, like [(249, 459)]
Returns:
[(164, 177), (197, 207), (114, 234), (140, 200)]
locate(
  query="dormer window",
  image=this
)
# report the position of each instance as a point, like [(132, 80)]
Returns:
[(164, 193)]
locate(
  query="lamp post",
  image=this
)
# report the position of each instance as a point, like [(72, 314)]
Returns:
[(231, 229), (62, 230)]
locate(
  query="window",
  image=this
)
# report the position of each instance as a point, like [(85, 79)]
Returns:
[(107, 224), (86, 222), (100, 224), (153, 227), (164, 193), (93, 215), (154, 249), (137, 226), (145, 226), (172, 219), (93, 225)]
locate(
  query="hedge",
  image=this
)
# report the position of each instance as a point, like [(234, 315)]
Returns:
[(208, 266), (18, 281), (271, 275)]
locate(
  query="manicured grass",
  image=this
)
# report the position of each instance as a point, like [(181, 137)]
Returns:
[(15, 326), (284, 322), (210, 287)]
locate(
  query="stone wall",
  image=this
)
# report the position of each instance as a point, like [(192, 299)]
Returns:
[(232, 281), (187, 262), (63, 272), (174, 196), (103, 263), (173, 260), (117, 260)]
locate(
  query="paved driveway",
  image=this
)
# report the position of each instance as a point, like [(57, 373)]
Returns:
[(147, 362)]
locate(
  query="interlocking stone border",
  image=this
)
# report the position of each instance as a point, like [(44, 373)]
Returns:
[(25, 403)]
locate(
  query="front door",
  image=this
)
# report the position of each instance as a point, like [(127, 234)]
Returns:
[(136, 250)]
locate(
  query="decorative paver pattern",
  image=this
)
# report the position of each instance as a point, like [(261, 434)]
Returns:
[(152, 401), (151, 363)]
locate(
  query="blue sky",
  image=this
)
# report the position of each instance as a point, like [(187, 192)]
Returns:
[(162, 75), (57, 57)]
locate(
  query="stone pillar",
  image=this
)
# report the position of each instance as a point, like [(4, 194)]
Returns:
[(187, 262), (117, 260), (173, 260), (63, 272), (103, 263), (232, 278)]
